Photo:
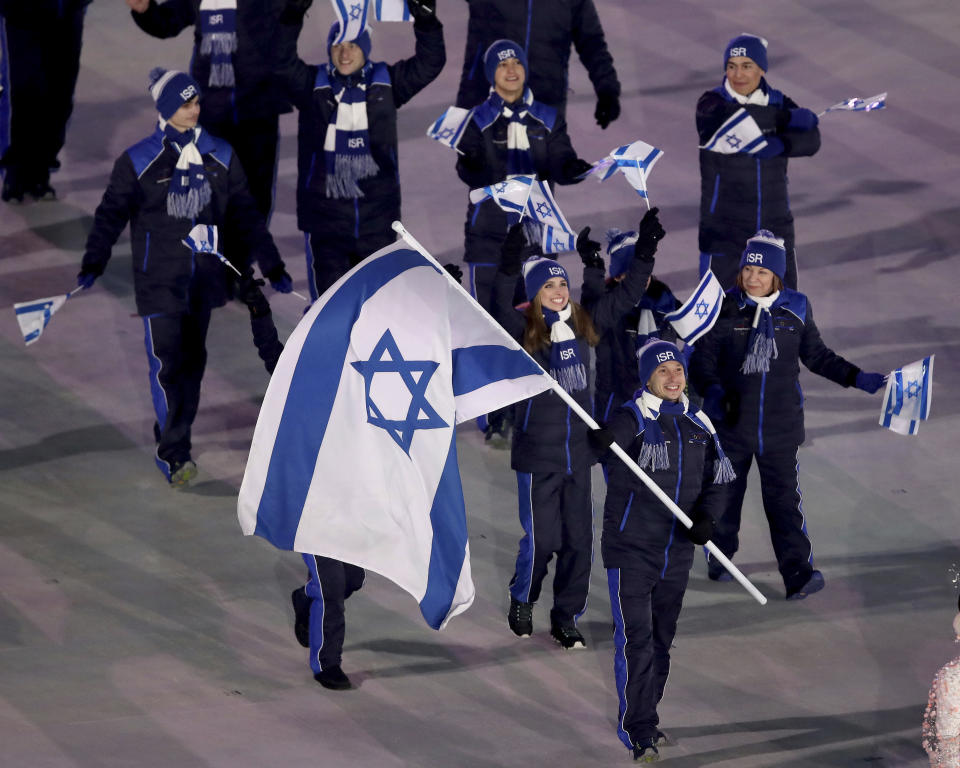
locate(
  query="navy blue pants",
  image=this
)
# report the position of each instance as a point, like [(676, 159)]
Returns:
[(331, 583), (329, 258), (556, 513), (782, 505), (645, 604), (177, 356)]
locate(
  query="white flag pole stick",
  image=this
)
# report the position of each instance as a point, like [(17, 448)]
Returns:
[(78, 288), (300, 295), (643, 183), (667, 501)]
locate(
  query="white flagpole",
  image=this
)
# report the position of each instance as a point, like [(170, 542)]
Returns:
[(643, 182), (624, 457)]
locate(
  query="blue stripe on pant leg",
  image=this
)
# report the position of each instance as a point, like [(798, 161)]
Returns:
[(523, 573), (315, 593), (157, 392), (620, 673), (311, 275)]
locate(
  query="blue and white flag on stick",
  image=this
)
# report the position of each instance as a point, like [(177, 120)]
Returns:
[(857, 104), (557, 236), (698, 313), (907, 399), (34, 316), (510, 194), (391, 10), (448, 128), (740, 133), (354, 453), (635, 161), (352, 15), (205, 238)]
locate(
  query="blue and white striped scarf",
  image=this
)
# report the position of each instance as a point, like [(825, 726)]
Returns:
[(762, 346), (346, 145), (519, 158), (565, 365), (218, 30), (189, 190)]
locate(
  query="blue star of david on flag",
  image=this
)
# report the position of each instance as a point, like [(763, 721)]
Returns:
[(702, 309), (913, 389), (355, 11), (445, 134), (543, 210), (699, 313), (501, 187), (739, 133), (732, 141), (415, 374)]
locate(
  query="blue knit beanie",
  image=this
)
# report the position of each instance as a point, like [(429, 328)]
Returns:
[(654, 354), (537, 271), (501, 50), (362, 40), (171, 90), (752, 46), (765, 250)]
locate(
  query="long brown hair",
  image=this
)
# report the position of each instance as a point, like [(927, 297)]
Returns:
[(536, 336)]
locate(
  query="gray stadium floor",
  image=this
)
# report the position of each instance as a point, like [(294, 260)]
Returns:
[(138, 627)]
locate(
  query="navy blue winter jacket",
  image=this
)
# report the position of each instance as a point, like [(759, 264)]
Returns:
[(256, 95), (389, 86), (764, 409), (167, 276), (546, 29), (742, 193), (636, 524), (547, 435)]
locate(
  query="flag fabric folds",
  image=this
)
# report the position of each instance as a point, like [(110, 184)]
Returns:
[(354, 453), (391, 10), (698, 313), (352, 15), (528, 196), (857, 104), (33, 316), (205, 238), (908, 396), (635, 161), (740, 133), (510, 194), (448, 128)]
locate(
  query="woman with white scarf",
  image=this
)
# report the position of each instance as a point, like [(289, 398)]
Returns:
[(742, 189), (747, 369)]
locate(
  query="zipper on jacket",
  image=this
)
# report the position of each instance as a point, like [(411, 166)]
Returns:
[(676, 497), (763, 387), (567, 444)]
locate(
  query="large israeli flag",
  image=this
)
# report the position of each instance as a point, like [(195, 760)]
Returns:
[(907, 399), (699, 313), (354, 453), (740, 133), (352, 15)]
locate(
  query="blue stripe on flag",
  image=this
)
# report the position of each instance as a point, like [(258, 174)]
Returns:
[(724, 129), (448, 519), (476, 367), (310, 398)]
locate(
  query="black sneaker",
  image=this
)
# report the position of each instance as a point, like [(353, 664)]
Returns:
[(568, 637), (717, 572), (301, 616), (814, 584), (333, 678), (645, 750), (520, 618), (181, 473)]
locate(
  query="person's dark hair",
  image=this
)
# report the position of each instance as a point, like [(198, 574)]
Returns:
[(536, 336), (777, 282)]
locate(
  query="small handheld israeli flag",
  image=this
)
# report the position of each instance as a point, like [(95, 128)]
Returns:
[(352, 15), (698, 313), (204, 238), (857, 104), (448, 128), (907, 399), (740, 133), (510, 194), (557, 236), (33, 316), (635, 161), (391, 10)]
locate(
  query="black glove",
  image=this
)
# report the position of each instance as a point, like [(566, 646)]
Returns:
[(280, 281), (608, 109), (649, 233), (422, 9), (589, 250), (250, 293), (455, 272), (511, 252), (702, 530), (600, 440), (294, 11), (573, 168)]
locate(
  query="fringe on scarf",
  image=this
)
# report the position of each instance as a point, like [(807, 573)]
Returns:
[(219, 43), (572, 378), (654, 456), (188, 205), (723, 471), (762, 351), (221, 75), (348, 170)]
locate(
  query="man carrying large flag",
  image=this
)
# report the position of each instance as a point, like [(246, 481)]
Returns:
[(354, 454)]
